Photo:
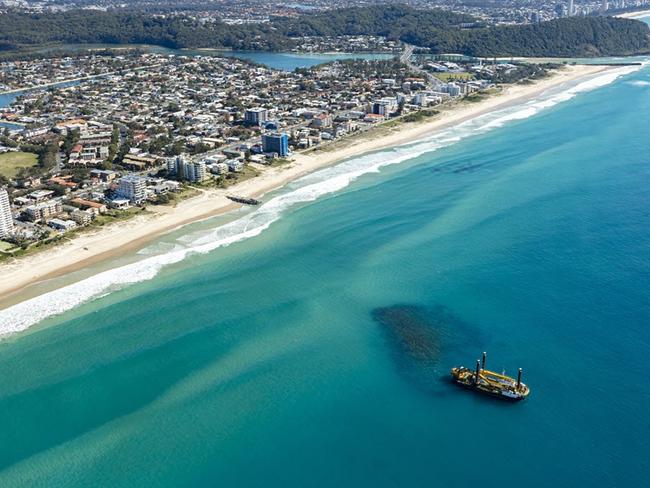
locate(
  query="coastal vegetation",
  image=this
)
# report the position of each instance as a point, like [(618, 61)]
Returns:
[(523, 72), (447, 32), (18, 29), (420, 115), (438, 31), (480, 96), (17, 246)]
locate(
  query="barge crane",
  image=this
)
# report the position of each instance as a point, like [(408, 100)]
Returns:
[(490, 383)]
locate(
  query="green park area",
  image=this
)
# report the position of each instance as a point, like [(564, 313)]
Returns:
[(447, 77), (12, 162), (5, 246)]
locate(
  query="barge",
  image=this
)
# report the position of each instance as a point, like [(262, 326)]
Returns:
[(488, 382)]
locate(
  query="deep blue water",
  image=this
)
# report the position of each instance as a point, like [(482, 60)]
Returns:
[(274, 361), (7, 99), (10, 126)]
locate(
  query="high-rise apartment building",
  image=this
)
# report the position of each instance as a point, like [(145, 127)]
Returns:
[(6, 219)]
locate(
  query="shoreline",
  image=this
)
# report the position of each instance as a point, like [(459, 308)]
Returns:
[(18, 275), (634, 15)]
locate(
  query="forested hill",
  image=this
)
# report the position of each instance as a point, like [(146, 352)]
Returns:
[(19, 29), (443, 32), (447, 32), (570, 37), (386, 20)]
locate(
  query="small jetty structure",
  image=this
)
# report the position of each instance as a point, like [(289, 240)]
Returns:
[(243, 200), (488, 382)]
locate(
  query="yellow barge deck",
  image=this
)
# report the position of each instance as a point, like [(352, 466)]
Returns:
[(490, 383)]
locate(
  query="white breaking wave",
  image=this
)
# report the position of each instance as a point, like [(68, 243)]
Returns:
[(639, 83), (307, 189)]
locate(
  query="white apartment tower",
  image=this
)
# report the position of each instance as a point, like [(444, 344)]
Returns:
[(195, 171), (6, 219), (133, 188), (185, 169)]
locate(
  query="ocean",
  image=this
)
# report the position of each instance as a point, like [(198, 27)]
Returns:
[(308, 342)]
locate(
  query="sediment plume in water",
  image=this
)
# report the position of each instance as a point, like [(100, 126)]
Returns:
[(418, 337)]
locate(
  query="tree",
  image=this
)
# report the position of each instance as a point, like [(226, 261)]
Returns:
[(200, 147), (126, 147), (115, 143), (49, 156), (71, 138), (175, 149), (441, 31)]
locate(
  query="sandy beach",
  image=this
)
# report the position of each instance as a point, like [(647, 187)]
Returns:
[(635, 15), (119, 238)]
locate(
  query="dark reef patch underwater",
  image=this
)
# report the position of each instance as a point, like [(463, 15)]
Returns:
[(419, 338)]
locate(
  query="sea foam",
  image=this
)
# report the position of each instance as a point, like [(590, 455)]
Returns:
[(307, 189), (642, 83)]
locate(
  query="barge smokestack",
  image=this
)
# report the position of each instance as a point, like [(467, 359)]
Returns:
[(484, 358), (478, 370), (519, 379)]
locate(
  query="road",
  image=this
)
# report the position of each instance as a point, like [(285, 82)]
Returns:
[(406, 58), (406, 55)]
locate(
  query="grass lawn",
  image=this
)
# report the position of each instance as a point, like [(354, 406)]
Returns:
[(464, 76), (11, 162), (248, 173), (4, 246)]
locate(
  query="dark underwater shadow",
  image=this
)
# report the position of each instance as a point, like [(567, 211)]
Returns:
[(458, 167), (420, 339)]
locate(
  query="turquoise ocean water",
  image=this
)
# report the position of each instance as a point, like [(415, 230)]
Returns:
[(308, 343)]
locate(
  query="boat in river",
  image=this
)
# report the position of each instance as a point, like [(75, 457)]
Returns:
[(490, 383), (244, 200)]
